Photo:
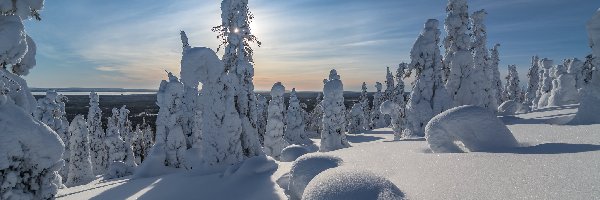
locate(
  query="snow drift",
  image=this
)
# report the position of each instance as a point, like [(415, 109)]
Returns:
[(334, 184), (476, 128), (306, 168)]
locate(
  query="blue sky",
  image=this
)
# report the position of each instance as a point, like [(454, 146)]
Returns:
[(116, 43)]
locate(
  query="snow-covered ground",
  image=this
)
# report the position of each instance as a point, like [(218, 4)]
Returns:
[(554, 162)]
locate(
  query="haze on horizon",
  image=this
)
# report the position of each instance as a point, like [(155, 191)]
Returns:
[(129, 44)]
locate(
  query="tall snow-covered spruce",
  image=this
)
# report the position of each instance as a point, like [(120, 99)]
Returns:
[(236, 37), (98, 151), (495, 70), (589, 107), (483, 74), (513, 89), (458, 59), (428, 96), (294, 126), (533, 84), (80, 165), (333, 136), (190, 93), (366, 110), (30, 152), (274, 141)]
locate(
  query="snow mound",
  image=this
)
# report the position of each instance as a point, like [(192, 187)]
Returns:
[(154, 165), (118, 169), (509, 107), (348, 184), (305, 168), (476, 128), (292, 152), (251, 166)]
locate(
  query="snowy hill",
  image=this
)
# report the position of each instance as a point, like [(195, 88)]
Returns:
[(554, 162)]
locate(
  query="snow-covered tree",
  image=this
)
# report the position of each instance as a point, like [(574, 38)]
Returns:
[(589, 107), (274, 140), (221, 126), (118, 149), (366, 110), (51, 111), (80, 165), (575, 67), (169, 123), (428, 96), (533, 84), (564, 88), (377, 119), (137, 143), (262, 109), (147, 139), (98, 152), (546, 83), (236, 37), (586, 71), (512, 90), (294, 126), (461, 80), (355, 117), (389, 84), (482, 72), (125, 126), (497, 87), (316, 116), (30, 151), (189, 78), (333, 136)]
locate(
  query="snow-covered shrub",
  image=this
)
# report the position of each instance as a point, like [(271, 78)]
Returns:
[(294, 126), (428, 96), (305, 168), (292, 152), (169, 124), (513, 89), (345, 184), (564, 88), (98, 151), (476, 128), (394, 111), (589, 107), (377, 119), (461, 79), (274, 140), (236, 36), (356, 116), (533, 84), (30, 153), (333, 136), (545, 84), (80, 165), (118, 169)]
